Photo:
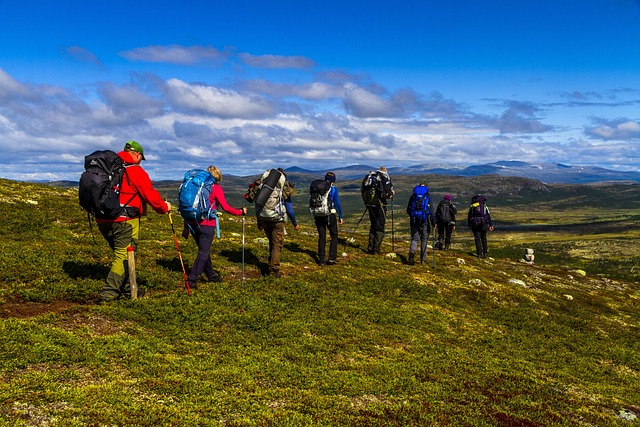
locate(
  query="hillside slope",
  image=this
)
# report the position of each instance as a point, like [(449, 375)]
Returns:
[(371, 341)]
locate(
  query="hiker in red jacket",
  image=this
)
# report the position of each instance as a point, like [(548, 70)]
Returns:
[(136, 193)]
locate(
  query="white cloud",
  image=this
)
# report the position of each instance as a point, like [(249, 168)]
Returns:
[(175, 54), (276, 61), (219, 102), (362, 103), (9, 86), (628, 129)]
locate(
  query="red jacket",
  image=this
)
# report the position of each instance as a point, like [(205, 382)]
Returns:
[(137, 190), (217, 199)]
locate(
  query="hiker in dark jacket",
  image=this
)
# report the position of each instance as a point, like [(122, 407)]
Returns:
[(137, 191), (421, 222), (378, 211), (479, 220), (204, 231), (329, 222), (446, 221)]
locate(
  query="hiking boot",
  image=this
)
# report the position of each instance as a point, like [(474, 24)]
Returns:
[(275, 273), (332, 262), (411, 259), (141, 292), (215, 279)]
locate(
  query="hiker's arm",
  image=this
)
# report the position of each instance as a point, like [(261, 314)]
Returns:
[(336, 203), (288, 205), (142, 183), (218, 195)]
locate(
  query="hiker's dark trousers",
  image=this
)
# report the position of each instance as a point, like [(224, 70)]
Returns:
[(377, 217), (420, 233), (480, 237), (444, 233), (323, 223), (203, 236)]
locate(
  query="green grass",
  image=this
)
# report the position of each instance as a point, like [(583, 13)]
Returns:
[(369, 342)]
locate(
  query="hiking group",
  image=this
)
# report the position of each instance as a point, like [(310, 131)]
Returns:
[(116, 190)]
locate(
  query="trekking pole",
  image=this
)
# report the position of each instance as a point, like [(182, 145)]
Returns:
[(433, 248), (243, 248), (354, 230), (393, 232), (175, 239), (132, 272)]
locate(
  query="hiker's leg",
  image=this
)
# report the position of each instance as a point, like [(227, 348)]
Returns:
[(203, 236), (441, 231), (333, 233), (321, 225), (415, 237), (483, 240), (119, 235), (447, 239), (277, 242), (477, 240), (424, 238), (372, 228), (380, 220)]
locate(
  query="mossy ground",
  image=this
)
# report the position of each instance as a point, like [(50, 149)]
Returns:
[(370, 341)]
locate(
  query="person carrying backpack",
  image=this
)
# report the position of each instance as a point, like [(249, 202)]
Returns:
[(479, 220), (446, 221), (136, 191), (421, 220), (325, 207), (376, 188), (271, 212), (204, 230)]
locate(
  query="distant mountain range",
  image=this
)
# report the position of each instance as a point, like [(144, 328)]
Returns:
[(549, 173)]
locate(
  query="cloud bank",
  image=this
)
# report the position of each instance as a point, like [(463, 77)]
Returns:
[(250, 112)]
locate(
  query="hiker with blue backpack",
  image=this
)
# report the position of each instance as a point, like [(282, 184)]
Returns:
[(479, 221), (421, 220), (199, 197), (116, 190), (324, 205)]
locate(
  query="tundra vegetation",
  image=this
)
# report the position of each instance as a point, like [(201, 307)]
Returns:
[(370, 341)]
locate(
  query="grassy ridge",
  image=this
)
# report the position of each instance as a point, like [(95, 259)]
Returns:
[(371, 341)]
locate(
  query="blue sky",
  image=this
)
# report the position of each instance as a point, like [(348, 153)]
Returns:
[(248, 85)]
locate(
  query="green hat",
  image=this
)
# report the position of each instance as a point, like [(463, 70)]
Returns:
[(135, 146)]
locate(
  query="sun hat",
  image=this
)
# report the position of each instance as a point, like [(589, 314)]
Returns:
[(135, 146)]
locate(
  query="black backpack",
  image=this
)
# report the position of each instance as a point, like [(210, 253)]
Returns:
[(319, 200), (372, 189), (443, 213), (479, 211), (100, 183)]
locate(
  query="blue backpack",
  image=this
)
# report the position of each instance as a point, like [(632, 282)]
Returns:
[(193, 197), (420, 205)]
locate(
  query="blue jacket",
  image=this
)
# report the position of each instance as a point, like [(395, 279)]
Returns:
[(335, 200)]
